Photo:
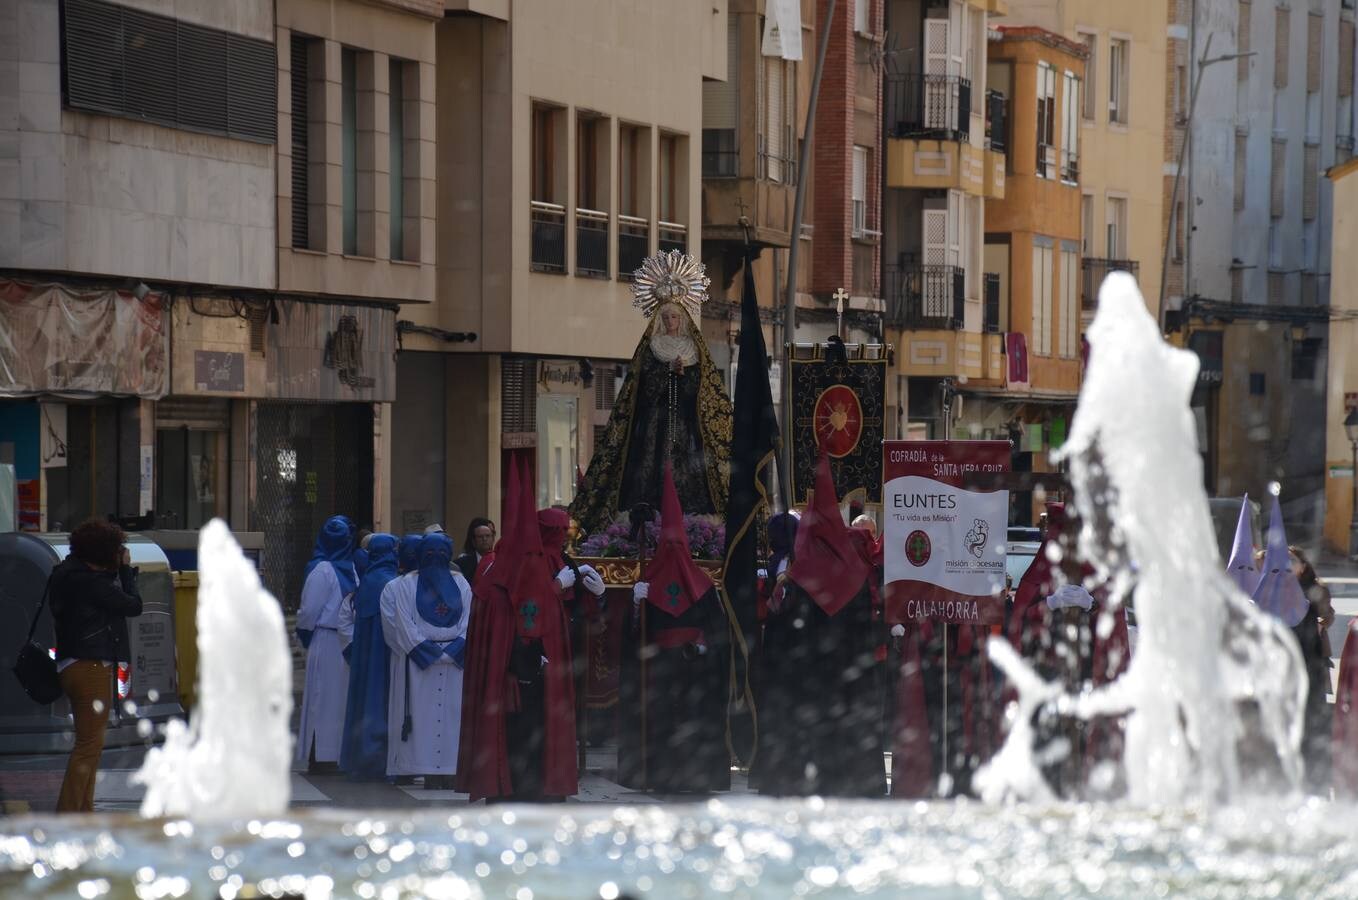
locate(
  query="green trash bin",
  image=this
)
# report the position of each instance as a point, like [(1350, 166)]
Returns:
[(186, 636)]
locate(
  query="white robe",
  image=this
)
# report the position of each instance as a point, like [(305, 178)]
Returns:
[(435, 692), (327, 674)]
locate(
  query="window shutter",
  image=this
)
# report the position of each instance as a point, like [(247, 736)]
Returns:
[(860, 190), (1242, 40), (1281, 35), (773, 130), (518, 401), (1314, 24), (93, 56), (1277, 182), (935, 237), (252, 98), (1038, 293), (202, 79), (301, 126), (719, 97), (148, 41), (1310, 198), (861, 9), (1241, 142)]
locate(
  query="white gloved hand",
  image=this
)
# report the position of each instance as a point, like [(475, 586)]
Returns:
[(640, 591), (565, 579), (702, 649), (593, 581), (762, 573), (897, 631), (1070, 595), (782, 567)]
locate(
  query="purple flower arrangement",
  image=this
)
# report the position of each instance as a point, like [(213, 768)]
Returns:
[(706, 538)]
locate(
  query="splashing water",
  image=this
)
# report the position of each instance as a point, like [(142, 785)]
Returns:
[(1216, 688), (232, 760)]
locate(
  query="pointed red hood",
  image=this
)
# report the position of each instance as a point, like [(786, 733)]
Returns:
[(676, 581), (499, 576), (826, 562), (521, 568)]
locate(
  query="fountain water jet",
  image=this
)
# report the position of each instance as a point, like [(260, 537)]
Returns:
[(232, 759), (1211, 673)]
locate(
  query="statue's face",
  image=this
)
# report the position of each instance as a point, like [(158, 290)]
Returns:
[(669, 318)]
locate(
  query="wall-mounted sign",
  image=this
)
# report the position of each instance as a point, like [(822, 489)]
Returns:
[(559, 376), (216, 371)]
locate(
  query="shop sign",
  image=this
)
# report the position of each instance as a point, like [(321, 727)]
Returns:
[(217, 371), (1208, 346), (559, 377)]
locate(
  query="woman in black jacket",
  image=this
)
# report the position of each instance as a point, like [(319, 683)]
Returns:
[(92, 593)]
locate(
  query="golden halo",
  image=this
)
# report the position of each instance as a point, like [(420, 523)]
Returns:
[(670, 277)]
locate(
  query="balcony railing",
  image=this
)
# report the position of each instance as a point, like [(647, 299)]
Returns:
[(634, 239), (996, 121), (591, 243), (1046, 160), (1096, 270), (1070, 166), (548, 252), (926, 298), (991, 323), (673, 236), (928, 106)]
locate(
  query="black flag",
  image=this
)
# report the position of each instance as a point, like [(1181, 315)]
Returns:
[(754, 441)]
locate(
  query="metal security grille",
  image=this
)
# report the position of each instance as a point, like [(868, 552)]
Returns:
[(518, 401), (312, 461), (126, 62)]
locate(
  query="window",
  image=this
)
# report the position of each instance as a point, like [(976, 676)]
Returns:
[(1119, 79), (1046, 118), (1070, 304), (1089, 109), (720, 111), (1305, 355), (1242, 40), (197, 79), (397, 134), (544, 154), (1278, 180), (1281, 36), (777, 118), (669, 175), (1345, 58), (860, 191), (1258, 384), (301, 50), (1314, 24), (1310, 180), (1180, 95), (1042, 297), (349, 147), (1241, 143), (1177, 228), (591, 195), (1087, 224), (862, 10), (1070, 128), (548, 186), (1117, 228)]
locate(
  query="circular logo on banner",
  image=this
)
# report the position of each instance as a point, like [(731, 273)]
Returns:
[(918, 549), (838, 420)]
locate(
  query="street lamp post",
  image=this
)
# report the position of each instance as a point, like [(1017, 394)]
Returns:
[(1351, 429), (1179, 170)]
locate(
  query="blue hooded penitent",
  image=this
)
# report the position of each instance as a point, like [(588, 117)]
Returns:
[(1242, 568), (408, 553), (335, 545), (437, 599), (363, 753)]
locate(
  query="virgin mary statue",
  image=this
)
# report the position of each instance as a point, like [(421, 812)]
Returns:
[(672, 408)]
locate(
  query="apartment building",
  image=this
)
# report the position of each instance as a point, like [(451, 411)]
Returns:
[(1126, 91), (1342, 376), (753, 123), (212, 185), (1032, 243), (947, 139), (1274, 111), (566, 152)]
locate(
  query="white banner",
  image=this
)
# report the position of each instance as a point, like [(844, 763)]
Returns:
[(783, 29), (952, 538)]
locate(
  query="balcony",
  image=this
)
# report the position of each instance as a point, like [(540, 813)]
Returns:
[(991, 320), (1096, 270), (634, 239), (591, 243), (548, 253), (928, 106), (673, 236), (925, 297)]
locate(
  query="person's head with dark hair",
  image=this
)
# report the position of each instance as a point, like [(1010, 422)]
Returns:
[(98, 543), (1302, 568), (480, 536)]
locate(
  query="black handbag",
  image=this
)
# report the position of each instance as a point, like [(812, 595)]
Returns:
[(35, 668)]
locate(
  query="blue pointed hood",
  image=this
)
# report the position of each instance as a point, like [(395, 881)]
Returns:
[(408, 553), (437, 597), (1242, 568), (1279, 593), (335, 545)]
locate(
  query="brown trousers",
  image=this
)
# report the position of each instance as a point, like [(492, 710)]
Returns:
[(88, 684)]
